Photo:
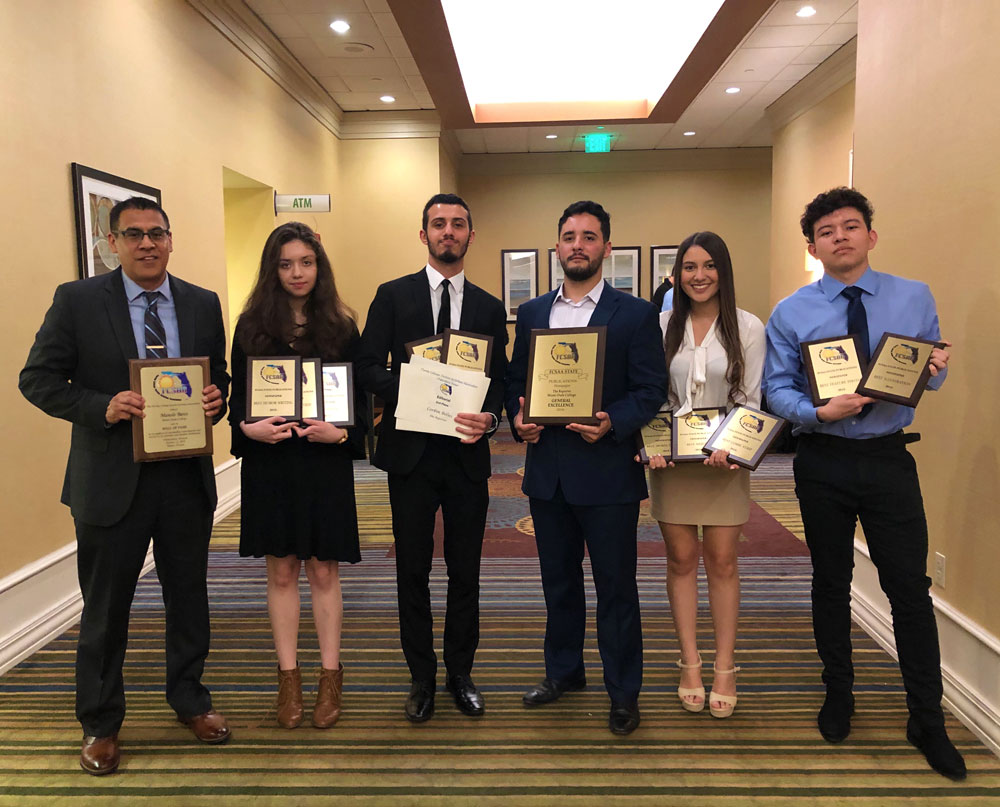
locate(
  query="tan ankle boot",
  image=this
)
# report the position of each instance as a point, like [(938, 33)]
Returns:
[(327, 709), (289, 698)]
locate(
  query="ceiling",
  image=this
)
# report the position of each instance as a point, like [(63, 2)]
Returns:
[(375, 58)]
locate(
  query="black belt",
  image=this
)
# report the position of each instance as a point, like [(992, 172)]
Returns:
[(894, 440)]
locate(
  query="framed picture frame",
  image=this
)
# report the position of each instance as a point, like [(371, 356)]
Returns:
[(555, 270), (661, 265), (622, 269), (519, 277), (94, 194)]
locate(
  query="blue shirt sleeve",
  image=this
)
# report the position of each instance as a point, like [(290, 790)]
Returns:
[(784, 378)]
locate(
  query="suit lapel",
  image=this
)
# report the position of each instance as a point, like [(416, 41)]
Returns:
[(186, 325), (117, 307), (421, 297), (469, 304), (541, 315), (606, 307)]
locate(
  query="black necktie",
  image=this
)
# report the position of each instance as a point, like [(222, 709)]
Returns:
[(857, 323), (444, 315), (857, 318), (156, 336)]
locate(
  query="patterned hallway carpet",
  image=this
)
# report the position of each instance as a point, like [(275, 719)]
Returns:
[(768, 753)]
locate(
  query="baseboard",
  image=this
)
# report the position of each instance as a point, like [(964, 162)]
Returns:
[(41, 600), (970, 655)]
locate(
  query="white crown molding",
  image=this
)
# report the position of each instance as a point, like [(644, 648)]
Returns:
[(237, 23), (837, 71), (391, 124)]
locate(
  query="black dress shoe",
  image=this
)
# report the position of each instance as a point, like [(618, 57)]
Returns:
[(550, 690), (623, 718), (934, 744), (420, 703), (834, 718), (468, 698)]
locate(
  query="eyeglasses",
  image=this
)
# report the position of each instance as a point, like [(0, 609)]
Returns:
[(133, 235)]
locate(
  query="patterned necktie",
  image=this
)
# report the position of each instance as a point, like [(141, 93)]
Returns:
[(444, 314), (156, 336), (857, 323)]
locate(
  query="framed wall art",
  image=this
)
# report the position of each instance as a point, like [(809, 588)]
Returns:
[(94, 194), (519, 277), (621, 268), (661, 264), (555, 270)]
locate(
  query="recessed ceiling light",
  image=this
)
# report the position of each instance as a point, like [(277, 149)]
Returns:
[(340, 26), (551, 137), (600, 127), (805, 11), (732, 90), (688, 134), (388, 99)]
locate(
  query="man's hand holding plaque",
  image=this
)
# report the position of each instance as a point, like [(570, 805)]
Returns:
[(832, 366), (170, 406), (565, 379), (900, 367), (432, 395)]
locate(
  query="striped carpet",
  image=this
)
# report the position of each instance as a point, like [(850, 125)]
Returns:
[(768, 753)]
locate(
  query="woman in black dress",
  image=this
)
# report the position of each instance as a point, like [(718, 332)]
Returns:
[(297, 478)]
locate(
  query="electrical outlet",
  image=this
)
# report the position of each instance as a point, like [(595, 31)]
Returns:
[(939, 569)]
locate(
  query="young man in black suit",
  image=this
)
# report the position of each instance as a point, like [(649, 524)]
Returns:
[(583, 485), (77, 370), (427, 472)]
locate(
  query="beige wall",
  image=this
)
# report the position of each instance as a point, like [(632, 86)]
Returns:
[(249, 219), (654, 197), (386, 184), (152, 92), (926, 138), (810, 155)]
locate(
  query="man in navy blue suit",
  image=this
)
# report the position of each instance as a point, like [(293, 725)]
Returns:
[(582, 482)]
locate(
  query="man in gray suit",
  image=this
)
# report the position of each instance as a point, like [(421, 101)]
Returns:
[(77, 370)]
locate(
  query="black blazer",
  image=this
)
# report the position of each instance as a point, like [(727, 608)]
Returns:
[(79, 361), (635, 386), (400, 313)]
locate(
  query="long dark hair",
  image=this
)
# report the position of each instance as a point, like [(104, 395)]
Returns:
[(266, 323), (727, 327)]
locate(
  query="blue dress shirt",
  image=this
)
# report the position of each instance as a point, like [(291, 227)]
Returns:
[(668, 300), (819, 311), (164, 307)]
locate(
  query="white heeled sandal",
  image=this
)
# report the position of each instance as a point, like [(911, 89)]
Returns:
[(728, 701), (691, 692)]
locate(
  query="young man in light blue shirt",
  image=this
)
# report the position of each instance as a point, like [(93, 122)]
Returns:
[(852, 463)]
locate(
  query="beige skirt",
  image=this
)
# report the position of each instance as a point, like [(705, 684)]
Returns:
[(693, 493)]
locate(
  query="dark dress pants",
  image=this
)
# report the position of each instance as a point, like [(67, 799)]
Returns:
[(438, 480), (837, 481), (609, 534), (171, 507)]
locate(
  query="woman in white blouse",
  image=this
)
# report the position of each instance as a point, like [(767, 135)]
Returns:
[(715, 358)]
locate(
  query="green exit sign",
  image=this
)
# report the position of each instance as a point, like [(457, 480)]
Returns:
[(598, 141)]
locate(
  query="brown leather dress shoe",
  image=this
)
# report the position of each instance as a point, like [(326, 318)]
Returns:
[(289, 711), (210, 727), (327, 709), (100, 755)]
